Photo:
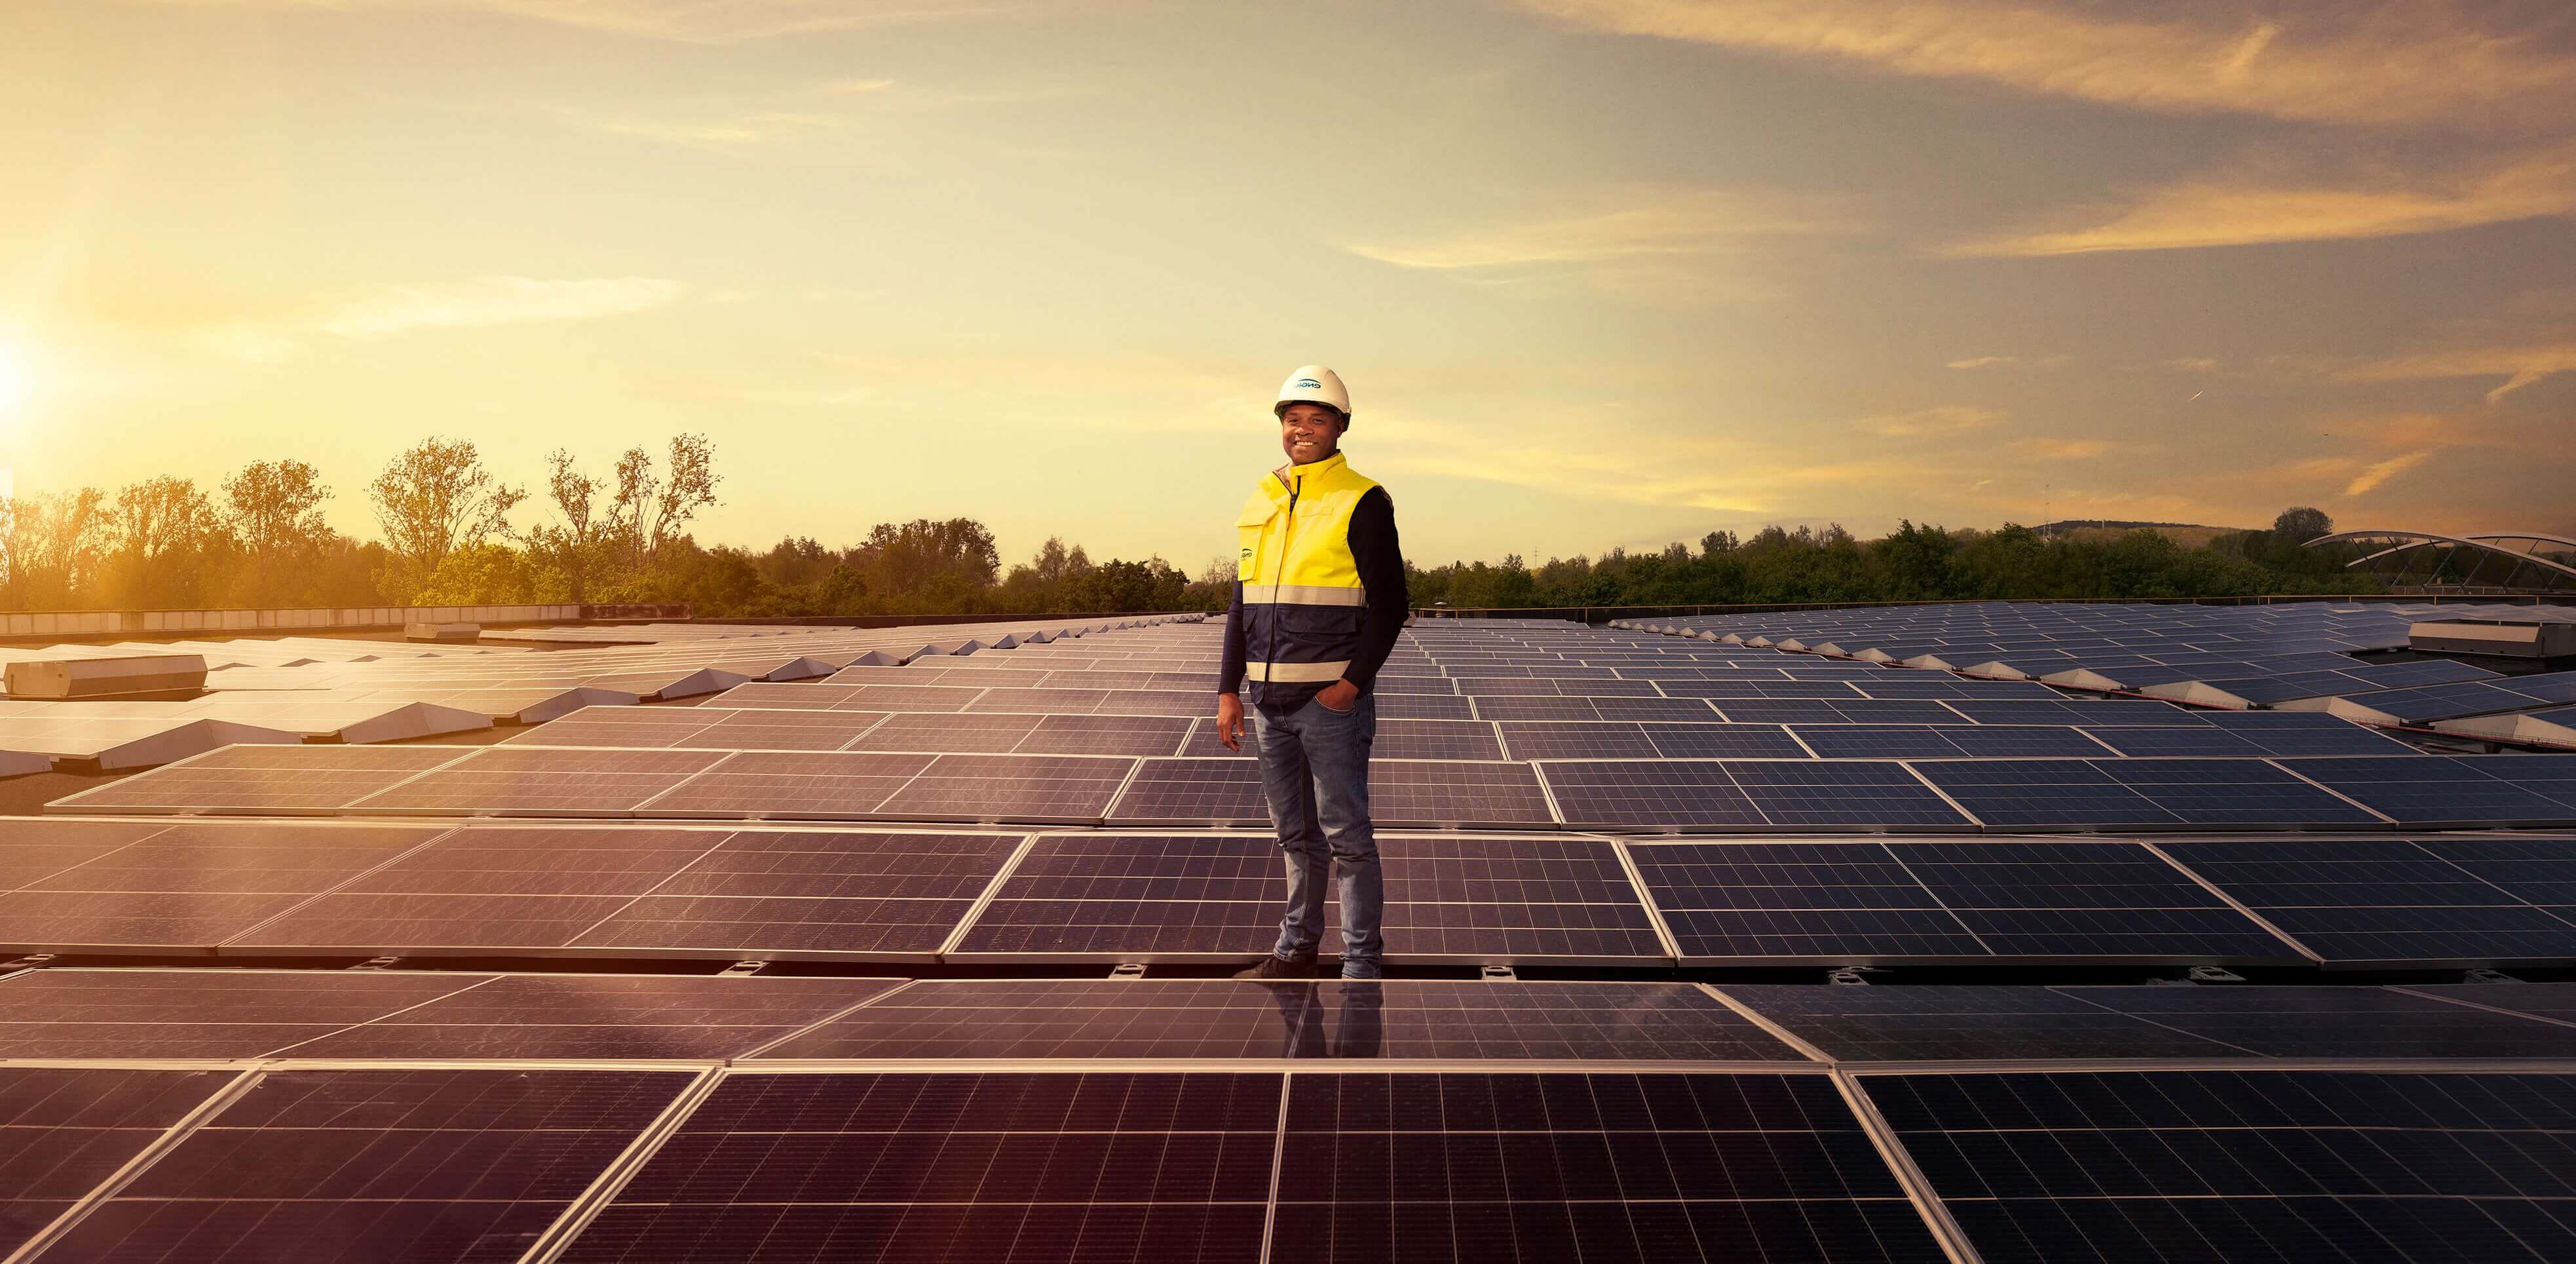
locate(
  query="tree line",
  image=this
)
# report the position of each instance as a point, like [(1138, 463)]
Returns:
[(1913, 563), (454, 533)]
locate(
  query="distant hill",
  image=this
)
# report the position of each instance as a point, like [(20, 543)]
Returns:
[(2187, 534)]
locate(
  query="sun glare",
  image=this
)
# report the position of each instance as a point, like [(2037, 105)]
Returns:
[(14, 379)]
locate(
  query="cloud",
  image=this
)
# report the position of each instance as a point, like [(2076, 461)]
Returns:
[(2399, 64), (1929, 421), (2374, 475), (1650, 223), (2193, 364), (2062, 449), (496, 300), (2250, 210), (2519, 366), (679, 21), (2008, 362)]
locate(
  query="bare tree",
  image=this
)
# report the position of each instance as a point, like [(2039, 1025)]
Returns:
[(435, 499), (650, 510), (274, 509)]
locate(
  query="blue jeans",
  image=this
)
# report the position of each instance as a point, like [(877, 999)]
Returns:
[(1314, 772)]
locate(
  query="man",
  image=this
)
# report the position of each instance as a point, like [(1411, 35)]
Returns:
[(1318, 602)]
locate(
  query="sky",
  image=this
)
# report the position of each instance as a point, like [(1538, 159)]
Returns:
[(1598, 272)]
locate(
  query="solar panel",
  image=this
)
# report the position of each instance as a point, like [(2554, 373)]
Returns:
[(586, 1016), (1218, 1018), (1561, 1166), (2335, 1022), (775, 730), (1723, 741), (1068, 789), (2079, 714), (189, 1013), (1859, 902), (942, 731), (1585, 739), (1131, 735), (674, 893), (1736, 794), (1197, 791), (2143, 794), (789, 785), (186, 889), (378, 1165), (2397, 900), (1435, 739), (1451, 794), (263, 780), (1858, 711), (538, 781), (1876, 741), (2203, 1165), (2452, 790), (1932, 1022), (1017, 1166), (64, 1130), (1132, 897), (31, 850)]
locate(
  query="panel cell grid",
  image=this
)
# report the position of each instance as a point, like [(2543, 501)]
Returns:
[(2234, 1165)]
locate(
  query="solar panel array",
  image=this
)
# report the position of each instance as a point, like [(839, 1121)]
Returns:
[(1669, 838)]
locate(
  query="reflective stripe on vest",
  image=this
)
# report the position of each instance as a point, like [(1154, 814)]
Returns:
[(1296, 673), (1303, 602)]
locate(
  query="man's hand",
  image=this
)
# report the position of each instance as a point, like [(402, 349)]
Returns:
[(1229, 720), (1341, 695)]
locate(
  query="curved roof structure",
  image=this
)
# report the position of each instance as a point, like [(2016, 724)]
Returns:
[(2529, 561)]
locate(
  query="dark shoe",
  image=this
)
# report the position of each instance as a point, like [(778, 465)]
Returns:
[(1275, 968)]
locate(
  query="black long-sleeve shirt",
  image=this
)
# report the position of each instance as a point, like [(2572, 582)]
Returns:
[(1380, 561)]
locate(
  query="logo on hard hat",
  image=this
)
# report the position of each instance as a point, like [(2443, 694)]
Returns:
[(1308, 381)]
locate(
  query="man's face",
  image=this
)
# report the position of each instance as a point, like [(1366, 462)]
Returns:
[(1308, 433)]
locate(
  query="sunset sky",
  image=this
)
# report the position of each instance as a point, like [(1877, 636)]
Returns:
[(1598, 272)]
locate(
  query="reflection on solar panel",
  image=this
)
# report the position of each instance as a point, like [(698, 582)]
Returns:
[(510, 781), (1569, 1166), (587, 1016), (130, 1013), (263, 780), (187, 888), (1020, 1167), (378, 1165), (1217, 1018), (2201, 1165), (667, 892), (2140, 794), (2466, 901), (788, 785), (64, 1130)]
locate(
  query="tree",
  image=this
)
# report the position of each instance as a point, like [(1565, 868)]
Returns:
[(433, 500), (274, 511), (649, 509), (2302, 524), (51, 547), (572, 546), (160, 529)]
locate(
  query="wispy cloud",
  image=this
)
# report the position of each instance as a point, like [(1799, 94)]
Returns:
[(1929, 421), (680, 21), (2254, 210), (496, 300), (1641, 223), (2396, 64), (2372, 476), (2007, 362), (2519, 366), (2044, 449)]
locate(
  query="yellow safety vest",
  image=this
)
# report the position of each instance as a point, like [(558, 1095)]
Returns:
[(1303, 602)]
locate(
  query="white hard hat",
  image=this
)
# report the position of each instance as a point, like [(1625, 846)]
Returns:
[(1314, 384)]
